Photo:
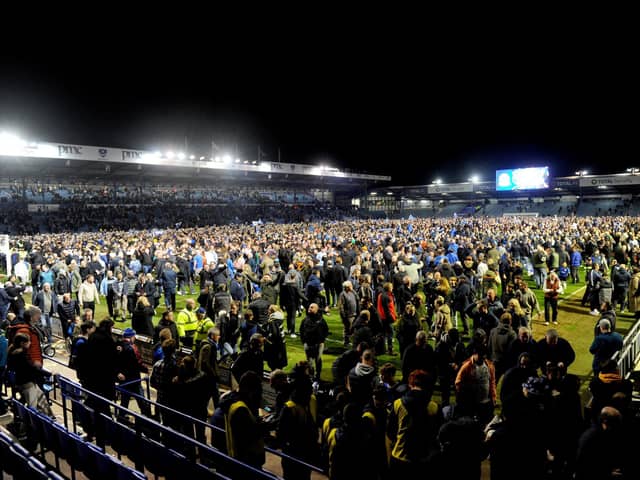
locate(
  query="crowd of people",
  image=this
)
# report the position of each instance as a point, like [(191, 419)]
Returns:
[(398, 287)]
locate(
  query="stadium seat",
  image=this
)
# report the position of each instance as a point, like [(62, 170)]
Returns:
[(49, 436), (156, 458), (123, 440), (106, 465), (55, 476), (36, 469), (126, 473), (68, 448), (82, 415)]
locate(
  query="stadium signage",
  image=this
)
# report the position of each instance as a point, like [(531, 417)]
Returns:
[(565, 182), (453, 188), (611, 180), (67, 150), (141, 157), (131, 155)]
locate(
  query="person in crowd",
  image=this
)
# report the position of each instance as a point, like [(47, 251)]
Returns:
[(412, 428), (500, 340), (27, 375), (88, 296), (162, 375), (47, 301), (552, 290), (297, 430), (243, 429), (129, 367), (166, 321), (348, 308), (476, 386), (313, 333), (419, 356), (187, 323), (142, 319), (605, 345), (386, 309), (251, 359), (555, 349), (67, 310)]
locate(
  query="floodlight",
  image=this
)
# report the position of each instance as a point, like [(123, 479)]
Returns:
[(226, 159), (192, 157), (181, 156), (170, 154)]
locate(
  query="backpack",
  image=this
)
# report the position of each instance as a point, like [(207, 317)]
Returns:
[(74, 352)]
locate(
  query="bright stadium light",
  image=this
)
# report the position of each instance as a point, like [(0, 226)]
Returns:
[(254, 162), (217, 159), (192, 157), (181, 156), (226, 159), (374, 194), (389, 193), (10, 141), (170, 154), (202, 158), (246, 162), (437, 181), (582, 173), (633, 170), (474, 179), (237, 160)]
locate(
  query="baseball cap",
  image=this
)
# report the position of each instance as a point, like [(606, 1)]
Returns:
[(201, 310), (129, 332)]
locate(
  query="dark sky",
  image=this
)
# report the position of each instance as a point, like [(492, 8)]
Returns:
[(396, 107)]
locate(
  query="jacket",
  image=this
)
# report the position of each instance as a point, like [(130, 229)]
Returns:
[(413, 426)]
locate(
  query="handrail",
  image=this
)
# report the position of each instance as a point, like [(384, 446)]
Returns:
[(196, 421), (628, 357), (68, 386)]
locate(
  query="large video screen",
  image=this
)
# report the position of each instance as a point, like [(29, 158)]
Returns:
[(522, 179)]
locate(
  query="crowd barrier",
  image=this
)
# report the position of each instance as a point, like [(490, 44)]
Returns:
[(146, 442)]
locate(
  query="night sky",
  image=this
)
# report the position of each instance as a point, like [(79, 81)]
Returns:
[(379, 106)]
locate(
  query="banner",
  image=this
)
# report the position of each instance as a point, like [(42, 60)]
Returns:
[(609, 180), (453, 188)]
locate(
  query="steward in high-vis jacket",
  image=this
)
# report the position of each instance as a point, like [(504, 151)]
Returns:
[(413, 425), (244, 433)]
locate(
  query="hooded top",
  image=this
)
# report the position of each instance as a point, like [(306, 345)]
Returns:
[(413, 425)]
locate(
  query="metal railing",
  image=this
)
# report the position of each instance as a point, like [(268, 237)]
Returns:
[(71, 391), (628, 357), (195, 424)]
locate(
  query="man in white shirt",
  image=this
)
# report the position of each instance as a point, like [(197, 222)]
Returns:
[(88, 295)]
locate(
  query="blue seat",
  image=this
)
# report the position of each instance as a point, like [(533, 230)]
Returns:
[(126, 473), (106, 465), (36, 469), (16, 462), (68, 447), (155, 458), (55, 476), (88, 455), (123, 440), (83, 415), (49, 437)]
